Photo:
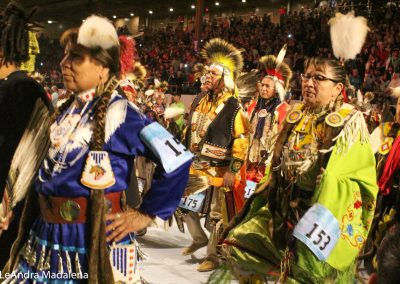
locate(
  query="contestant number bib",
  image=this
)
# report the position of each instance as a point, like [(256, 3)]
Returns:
[(193, 202), (319, 230), (249, 189), (167, 148)]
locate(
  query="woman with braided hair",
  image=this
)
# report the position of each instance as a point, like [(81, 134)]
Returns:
[(80, 223)]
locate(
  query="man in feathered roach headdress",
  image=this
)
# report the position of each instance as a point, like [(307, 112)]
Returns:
[(218, 136), (23, 107), (268, 113)]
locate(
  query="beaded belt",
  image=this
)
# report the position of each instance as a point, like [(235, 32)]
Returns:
[(200, 164), (67, 210)]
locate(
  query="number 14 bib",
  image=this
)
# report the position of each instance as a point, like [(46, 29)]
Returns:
[(319, 230), (167, 148)]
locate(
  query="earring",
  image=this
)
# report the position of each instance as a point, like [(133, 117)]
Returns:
[(331, 103)]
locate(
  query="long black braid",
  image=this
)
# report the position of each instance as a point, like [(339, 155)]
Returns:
[(14, 33)]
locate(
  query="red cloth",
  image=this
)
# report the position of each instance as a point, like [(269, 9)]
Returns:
[(345, 98), (391, 166), (238, 189), (273, 72), (282, 110), (251, 107)]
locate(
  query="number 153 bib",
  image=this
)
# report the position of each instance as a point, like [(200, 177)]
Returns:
[(319, 230)]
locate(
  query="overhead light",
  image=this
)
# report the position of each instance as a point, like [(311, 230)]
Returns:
[(216, 3), (49, 22), (114, 17), (132, 14), (171, 9), (243, 1), (193, 6), (150, 12), (126, 19)]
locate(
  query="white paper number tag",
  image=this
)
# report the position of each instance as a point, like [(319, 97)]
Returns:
[(193, 202), (168, 149), (98, 173), (319, 230), (249, 189)]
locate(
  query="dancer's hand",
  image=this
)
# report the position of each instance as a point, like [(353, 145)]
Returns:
[(229, 179), (5, 221), (126, 222)]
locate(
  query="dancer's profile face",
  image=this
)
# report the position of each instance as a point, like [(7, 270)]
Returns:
[(267, 88), (214, 79), (318, 86), (80, 70)]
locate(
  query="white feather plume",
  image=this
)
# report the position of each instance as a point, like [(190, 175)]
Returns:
[(172, 112), (97, 32), (280, 90), (348, 35), (281, 55), (395, 92)]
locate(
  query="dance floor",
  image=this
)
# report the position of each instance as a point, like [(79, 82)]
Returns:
[(165, 262)]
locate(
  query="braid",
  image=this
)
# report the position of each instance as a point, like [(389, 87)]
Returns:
[(99, 266), (98, 134), (14, 36)]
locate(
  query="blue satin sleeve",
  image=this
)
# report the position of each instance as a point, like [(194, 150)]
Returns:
[(167, 188)]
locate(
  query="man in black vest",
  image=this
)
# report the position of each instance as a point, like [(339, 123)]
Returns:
[(20, 98), (218, 136)]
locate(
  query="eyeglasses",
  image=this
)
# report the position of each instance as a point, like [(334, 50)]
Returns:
[(213, 73), (316, 78)]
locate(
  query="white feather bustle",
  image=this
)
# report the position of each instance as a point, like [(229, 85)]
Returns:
[(348, 34), (97, 32), (173, 112), (229, 84)]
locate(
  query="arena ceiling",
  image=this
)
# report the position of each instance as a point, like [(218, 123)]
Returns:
[(73, 11)]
